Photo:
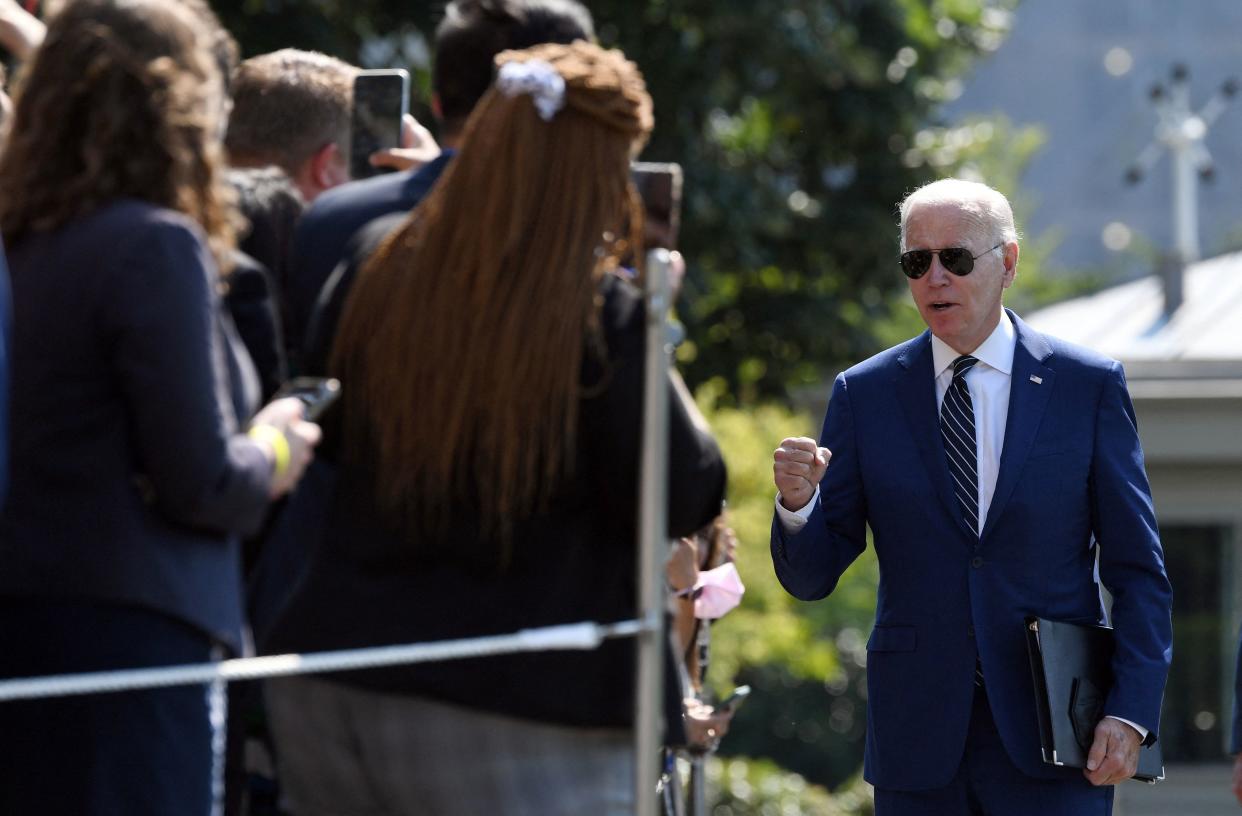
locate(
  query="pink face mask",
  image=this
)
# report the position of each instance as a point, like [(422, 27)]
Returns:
[(717, 591)]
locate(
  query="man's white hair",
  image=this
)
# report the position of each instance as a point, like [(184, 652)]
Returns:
[(986, 207)]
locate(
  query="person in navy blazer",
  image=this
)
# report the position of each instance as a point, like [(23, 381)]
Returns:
[(1060, 483), (137, 460)]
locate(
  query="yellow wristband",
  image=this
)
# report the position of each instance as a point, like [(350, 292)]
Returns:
[(275, 439)]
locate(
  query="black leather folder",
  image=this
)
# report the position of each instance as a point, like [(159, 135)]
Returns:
[(1071, 665)]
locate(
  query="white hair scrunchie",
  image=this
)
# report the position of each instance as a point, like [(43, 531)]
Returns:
[(539, 79)]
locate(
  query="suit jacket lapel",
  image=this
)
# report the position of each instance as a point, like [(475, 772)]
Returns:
[(1027, 401), (916, 390)]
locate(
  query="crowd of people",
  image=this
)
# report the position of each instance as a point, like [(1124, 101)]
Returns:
[(182, 237)]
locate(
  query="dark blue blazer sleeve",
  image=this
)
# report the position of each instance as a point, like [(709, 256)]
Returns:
[(809, 563), (169, 355), (1131, 560)]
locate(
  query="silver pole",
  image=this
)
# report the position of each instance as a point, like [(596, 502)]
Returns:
[(652, 540), (672, 801), (698, 785), (1185, 207), (1186, 130)]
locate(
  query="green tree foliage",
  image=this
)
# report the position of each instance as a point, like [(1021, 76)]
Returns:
[(804, 661), (790, 119), (760, 788), (341, 28)]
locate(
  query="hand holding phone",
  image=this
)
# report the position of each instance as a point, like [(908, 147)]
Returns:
[(283, 431), (316, 394), (418, 148)]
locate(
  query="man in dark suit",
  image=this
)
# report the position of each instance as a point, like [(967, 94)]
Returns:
[(994, 465), (472, 33)]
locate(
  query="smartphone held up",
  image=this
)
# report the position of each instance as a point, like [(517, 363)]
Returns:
[(734, 700), (381, 101), (659, 186)]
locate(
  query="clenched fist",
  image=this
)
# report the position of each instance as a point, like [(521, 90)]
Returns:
[(798, 465)]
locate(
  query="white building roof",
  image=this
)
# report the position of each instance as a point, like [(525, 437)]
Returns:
[(1202, 339)]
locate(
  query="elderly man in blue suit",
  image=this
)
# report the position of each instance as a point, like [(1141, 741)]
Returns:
[(994, 465)]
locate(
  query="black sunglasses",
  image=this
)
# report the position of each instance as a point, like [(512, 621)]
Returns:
[(957, 260)]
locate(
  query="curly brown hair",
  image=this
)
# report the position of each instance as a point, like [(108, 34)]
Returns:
[(463, 338), (124, 99)]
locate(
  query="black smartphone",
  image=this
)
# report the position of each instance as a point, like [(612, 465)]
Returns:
[(659, 186), (734, 700), (316, 393), (381, 100)]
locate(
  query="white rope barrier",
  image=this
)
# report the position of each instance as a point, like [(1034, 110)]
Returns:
[(573, 636)]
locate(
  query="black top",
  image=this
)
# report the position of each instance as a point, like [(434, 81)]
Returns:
[(6, 340), (575, 562), (251, 302), (130, 479), (257, 285)]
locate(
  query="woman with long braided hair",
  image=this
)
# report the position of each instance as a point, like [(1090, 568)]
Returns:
[(488, 442)]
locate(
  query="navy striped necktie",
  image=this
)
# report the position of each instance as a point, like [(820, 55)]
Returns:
[(957, 426)]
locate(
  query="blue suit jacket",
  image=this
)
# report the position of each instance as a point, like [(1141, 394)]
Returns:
[(1071, 484)]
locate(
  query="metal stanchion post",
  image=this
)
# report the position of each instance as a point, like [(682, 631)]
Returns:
[(698, 785), (652, 539)]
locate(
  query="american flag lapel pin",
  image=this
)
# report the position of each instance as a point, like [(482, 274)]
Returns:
[(1037, 380)]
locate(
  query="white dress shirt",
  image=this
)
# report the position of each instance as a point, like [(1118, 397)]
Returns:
[(988, 382)]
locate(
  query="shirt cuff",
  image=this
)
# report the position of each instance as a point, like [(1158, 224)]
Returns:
[(1140, 729), (794, 520)]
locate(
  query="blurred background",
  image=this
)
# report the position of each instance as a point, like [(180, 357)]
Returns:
[(799, 125)]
